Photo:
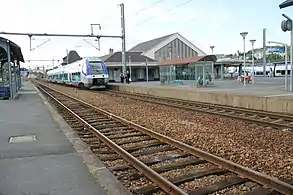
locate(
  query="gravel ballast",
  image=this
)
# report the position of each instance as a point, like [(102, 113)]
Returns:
[(267, 150)]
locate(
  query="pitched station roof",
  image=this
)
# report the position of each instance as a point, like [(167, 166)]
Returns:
[(144, 46), (134, 57), (182, 61), (161, 42)]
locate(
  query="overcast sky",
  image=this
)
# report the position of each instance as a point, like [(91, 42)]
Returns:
[(203, 22)]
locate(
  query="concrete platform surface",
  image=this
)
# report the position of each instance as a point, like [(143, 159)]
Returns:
[(46, 166), (266, 94), (263, 87)]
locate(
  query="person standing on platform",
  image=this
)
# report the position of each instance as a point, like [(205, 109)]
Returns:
[(122, 77), (271, 73), (127, 77)]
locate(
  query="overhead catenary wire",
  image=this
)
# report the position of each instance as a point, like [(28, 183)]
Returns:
[(142, 10), (168, 10), (148, 7)]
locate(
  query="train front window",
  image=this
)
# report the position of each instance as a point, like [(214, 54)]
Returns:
[(96, 67)]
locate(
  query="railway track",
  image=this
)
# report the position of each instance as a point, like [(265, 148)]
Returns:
[(150, 163), (269, 119)]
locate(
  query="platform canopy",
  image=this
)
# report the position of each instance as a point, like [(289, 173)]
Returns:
[(286, 3), (16, 53), (10, 78)]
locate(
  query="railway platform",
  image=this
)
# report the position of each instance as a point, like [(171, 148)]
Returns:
[(266, 94), (40, 154)]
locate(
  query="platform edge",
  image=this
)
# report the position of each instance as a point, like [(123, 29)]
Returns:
[(97, 169)]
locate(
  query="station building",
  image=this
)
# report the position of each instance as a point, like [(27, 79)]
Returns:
[(136, 64), (143, 60)]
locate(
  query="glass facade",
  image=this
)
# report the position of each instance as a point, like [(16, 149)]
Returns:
[(191, 73), (4, 79), (4, 75)]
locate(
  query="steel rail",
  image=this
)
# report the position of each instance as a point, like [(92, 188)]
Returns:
[(255, 176), (213, 106), (163, 183)]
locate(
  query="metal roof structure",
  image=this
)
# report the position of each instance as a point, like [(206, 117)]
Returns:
[(16, 53), (286, 3)]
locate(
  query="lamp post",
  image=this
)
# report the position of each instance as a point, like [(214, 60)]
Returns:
[(252, 54), (286, 61), (286, 25), (243, 34), (212, 48)]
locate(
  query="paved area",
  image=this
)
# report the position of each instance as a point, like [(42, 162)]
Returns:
[(264, 87), (47, 166)]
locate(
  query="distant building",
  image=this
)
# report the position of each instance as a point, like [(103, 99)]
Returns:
[(220, 56)]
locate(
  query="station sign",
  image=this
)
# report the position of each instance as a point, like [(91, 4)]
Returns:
[(278, 49)]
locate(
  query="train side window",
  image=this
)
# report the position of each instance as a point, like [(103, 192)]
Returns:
[(78, 76), (65, 76)]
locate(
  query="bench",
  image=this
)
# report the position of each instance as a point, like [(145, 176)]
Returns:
[(4, 93)]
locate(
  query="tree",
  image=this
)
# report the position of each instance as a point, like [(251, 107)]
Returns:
[(275, 56)]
